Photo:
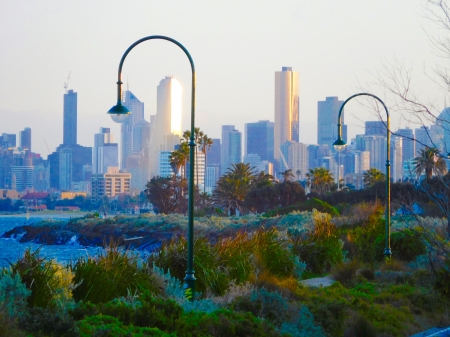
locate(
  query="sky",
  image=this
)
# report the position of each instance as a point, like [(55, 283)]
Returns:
[(336, 46)]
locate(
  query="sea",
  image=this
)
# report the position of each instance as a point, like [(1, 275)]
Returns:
[(11, 250)]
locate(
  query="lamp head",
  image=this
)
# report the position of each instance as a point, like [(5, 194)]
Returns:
[(119, 112), (339, 145)]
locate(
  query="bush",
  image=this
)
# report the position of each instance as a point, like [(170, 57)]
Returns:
[(13, 295), (345, 272), (321, 247), (407, 245), (48, 281), (111, 274), (47, 322)]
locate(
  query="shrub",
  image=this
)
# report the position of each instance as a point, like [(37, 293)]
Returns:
[(13, 295), (345, 272), (407, 245), (361, 327), (320, 248), (48, 281), (111, 274), (47, 322), (209, 272)]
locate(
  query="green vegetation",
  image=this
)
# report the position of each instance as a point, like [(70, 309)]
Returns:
[(249, 271)]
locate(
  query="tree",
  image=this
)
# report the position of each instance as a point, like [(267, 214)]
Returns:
[(233, 187), (205, 143), (179, 158), (320, 180), (372, 176), (429, 162), (168, 194), (298, 173), (287, 175)]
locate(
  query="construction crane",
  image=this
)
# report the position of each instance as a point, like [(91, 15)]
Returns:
[(66, 84), (48, 149)]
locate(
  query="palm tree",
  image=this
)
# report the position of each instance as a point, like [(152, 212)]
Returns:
[(263, 179), (176, 159), (287, 175), (429, 162), (205, 143), (319, 179), (372, 176), (198, 134), (233, 187)]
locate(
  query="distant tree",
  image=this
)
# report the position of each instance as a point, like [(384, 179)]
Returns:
[(373, 176), (287, 175), (320, 180), (429, 162), (298, 173), (205, 146), (168, 194), (6, 205)]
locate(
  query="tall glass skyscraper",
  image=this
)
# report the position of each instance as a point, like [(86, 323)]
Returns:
[(259, 139), (70, 118), (286, 108), (327, 118), (231, 147)]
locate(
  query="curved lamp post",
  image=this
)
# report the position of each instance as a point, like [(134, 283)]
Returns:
[(340, 145), (119, 113)]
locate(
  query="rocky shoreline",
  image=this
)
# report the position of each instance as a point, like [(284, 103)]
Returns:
[(92, 235)]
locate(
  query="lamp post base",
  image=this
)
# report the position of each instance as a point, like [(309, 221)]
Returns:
[(189, 286), (387, 253)]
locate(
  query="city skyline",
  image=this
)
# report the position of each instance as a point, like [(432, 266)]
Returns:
[(233, 87)]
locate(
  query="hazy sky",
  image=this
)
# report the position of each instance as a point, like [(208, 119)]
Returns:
[(236, 46)]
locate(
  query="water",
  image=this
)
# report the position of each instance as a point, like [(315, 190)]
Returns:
[(11, 249)]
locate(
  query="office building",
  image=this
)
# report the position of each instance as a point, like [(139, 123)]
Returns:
[(70, 118), (356, 162), (253, 159), (396, 159), (377, 146), (25, 139), (315, 155), (294, 156), (166, 124), (327, 118), (231, 150), (105, 152), (408, 143), (287, 108), (376, 128), (7, 141), (259, 139), (431, 137), (137, 115), (110, 184), (22, 178)]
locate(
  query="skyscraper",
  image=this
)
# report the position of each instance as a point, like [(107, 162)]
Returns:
[(376, 128), (408, 143), (286, 126), (137, 114), (166, 125), (327, 118), (25, 139), (70, 118), (259, 139), (231, 147), (105, 153), (376, 145), (294, 157)]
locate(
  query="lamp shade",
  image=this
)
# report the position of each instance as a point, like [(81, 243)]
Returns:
[(339, 145), (119, 113)]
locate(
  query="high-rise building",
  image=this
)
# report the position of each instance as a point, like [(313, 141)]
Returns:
[(253, 159), (137, 115), (408, 143), (213, 160), (396, 159), (327, 118), (430, 136), (231, 151), (166, 125), (287, 108), (376, 128), (70, 118), (377, 146), (25, 139), (294, 156), (315, 155), (110, 184), (23, 177), (7, 141), (259, 139), (105, 153), (443, 121)]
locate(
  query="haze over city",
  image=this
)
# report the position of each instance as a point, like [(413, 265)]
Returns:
[(237, 47)]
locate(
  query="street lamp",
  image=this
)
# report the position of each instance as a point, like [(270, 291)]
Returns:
[(340, 144), (119, 113)]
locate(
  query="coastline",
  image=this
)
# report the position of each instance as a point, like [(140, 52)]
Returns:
[(46, 214)]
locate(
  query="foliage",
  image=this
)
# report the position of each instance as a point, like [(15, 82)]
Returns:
[(47, 322), (320, 248), (13, 294), (373, 176), (345, 272), (320, 180), (232, 188), (111, 274), (429, 162), (168, 194), (308, 205), (48, 281), (407, 245)]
